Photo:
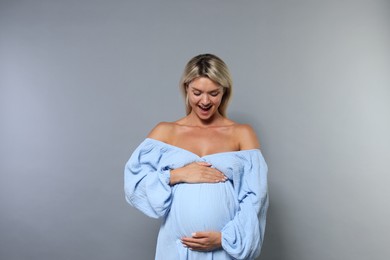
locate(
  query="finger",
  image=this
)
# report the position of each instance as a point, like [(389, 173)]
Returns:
[(196, 238), (217, 173), (217, 176), (200, 234), (214, 171), (204, 164), (192, 241), (194, 245), (191, 244), (221, 176), (200, 249), (198, 246)]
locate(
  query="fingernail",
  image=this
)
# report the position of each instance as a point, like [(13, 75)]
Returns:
[(193, 234)]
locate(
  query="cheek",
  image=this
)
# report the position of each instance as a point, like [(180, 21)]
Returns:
[(217, 100), (193, 99)]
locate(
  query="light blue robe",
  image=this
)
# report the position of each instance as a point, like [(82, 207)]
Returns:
[(237, 208)]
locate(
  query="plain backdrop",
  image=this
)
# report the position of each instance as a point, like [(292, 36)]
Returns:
[(83, 82)]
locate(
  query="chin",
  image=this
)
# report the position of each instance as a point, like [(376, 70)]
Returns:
[(206, 117)]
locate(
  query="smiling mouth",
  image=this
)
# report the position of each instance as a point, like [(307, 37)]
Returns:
[(205, 108)]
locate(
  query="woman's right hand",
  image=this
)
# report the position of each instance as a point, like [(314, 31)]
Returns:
[(196, 172)]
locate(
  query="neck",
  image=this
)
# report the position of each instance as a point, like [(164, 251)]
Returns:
[(193, 120)]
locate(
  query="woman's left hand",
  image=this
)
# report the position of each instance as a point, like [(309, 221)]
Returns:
[(203, 241)]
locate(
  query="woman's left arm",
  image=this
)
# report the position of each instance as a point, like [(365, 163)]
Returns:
[(243, 236)]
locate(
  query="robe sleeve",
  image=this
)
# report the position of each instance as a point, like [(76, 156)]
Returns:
[(243, 236), (146, 181)]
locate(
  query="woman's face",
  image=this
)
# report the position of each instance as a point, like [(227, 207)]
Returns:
[(204, 97)]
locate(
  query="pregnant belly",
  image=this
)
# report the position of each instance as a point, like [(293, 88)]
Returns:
[(201, 207)]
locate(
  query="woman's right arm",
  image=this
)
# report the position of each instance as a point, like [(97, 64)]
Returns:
[(146, 181), (197, 172)]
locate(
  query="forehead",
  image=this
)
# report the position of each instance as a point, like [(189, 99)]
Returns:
[(204, 83)]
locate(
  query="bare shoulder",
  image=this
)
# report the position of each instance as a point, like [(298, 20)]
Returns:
[(162, 131), (246, 137)]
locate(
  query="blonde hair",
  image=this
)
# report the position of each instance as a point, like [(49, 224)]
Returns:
[(212, 67)]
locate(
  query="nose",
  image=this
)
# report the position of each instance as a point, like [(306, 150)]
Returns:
[(205, 99)]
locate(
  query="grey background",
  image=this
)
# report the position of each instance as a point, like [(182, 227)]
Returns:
[(83, 82)]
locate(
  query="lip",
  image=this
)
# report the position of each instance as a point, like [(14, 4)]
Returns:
[(205, 109)]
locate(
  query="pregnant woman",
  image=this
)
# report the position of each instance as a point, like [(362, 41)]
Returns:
[(203, 174)]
